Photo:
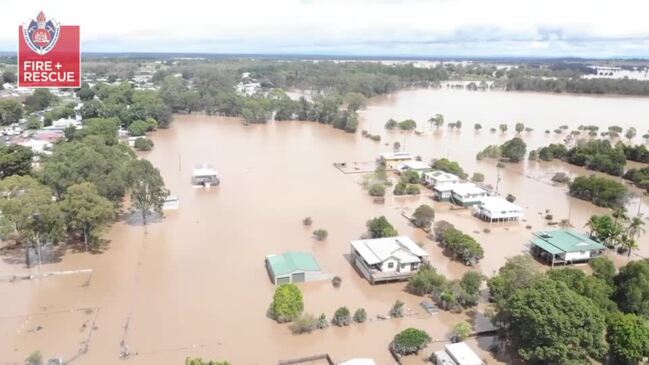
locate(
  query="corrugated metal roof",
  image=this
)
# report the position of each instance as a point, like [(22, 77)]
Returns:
[(565, 240), (290, 262), (377, 250)]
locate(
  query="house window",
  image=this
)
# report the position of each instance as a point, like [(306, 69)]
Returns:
[(390, 265), (403, 266)]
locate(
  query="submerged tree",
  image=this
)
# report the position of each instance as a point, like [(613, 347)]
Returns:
[(147, 188), (87, 211)]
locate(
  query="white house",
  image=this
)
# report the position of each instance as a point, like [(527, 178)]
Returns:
[(438, 177), (205, 175), (413, 165), (457, 354), (442, 192), (467, 194), (392, 160), (497, 209), (386, 259)]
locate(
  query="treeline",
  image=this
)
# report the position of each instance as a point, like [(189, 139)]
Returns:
[(597, 155), (578, 85), (600, 191), (78, 189), (460, 245), (566, 316)]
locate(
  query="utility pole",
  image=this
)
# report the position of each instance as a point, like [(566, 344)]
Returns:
[(497, 180)]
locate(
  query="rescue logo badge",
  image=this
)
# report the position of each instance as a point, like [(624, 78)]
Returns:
[(41, 34)]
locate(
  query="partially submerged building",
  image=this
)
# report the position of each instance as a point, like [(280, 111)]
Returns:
[(414, 165), (496, 209), (387, 259), (467, 194), (294, 267), (565, 246), (392, 160), (205, 174), (457, 354), (437, 177)]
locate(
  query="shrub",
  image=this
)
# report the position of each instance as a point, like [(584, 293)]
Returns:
[(510, 198), (410, 177), (200, 361), (305, 323), (143, 144), (391, 124), (423, 216), (360, 316), (561, 177), (320, 234), (400, 189), (397, 309), (533, 156), (307, 221), (287, 303), (322, 322), (377, 190), (410, 341), (412, 189), (408, 125), (35, 358), (342, 317), (462, 330), (426, 281), (138, 128), (336, 281), (477, 177), (380, 227)]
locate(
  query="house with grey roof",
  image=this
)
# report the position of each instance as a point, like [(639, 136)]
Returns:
[(387, 259)]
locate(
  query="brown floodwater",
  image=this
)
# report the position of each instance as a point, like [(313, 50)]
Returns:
[(194, 284)]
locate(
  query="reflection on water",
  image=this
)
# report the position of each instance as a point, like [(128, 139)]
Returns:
[(195, 283)]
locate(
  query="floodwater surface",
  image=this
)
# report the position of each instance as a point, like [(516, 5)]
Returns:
[(194, 283)]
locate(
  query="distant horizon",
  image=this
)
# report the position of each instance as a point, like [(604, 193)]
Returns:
[(351, 57)]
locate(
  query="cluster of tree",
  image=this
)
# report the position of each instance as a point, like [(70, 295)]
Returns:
[(452, 295), (78, 190), (404, 125), (460, 245), (579, 85), (380, 227), (449, 166), (407, 184), (128, 105), (565, 316), (617, 230), (10, 111), (640, 177), (513, 150), (410, 341), (599, 190), (638, 153), (598, 155)]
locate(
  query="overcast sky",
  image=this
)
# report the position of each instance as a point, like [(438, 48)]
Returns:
[(547, 28)]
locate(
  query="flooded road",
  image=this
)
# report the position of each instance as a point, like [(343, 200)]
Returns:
[(194, 284)]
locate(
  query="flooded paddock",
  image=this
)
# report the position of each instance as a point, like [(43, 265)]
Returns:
[(195, 284)]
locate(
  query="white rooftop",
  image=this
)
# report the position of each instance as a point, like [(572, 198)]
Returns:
[(443, 176), (204, 170), (377, 250), (498, 204), (462, 354), (467, 189), (444, 187), (414, 165), (396, 156)]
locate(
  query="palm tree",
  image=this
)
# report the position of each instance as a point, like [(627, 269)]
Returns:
[(628, 243), (634, 230)]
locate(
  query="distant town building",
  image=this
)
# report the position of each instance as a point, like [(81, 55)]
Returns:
[(565, 246), (392, 160), (387, 259), (437, 177), (294, 267), (497, 209), (457, 354)]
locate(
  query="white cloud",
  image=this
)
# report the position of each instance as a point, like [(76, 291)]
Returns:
[(392, 27)]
